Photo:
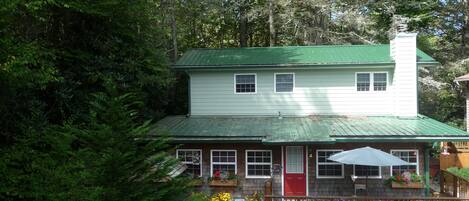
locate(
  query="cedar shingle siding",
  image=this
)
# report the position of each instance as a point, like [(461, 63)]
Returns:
[(317, 187)]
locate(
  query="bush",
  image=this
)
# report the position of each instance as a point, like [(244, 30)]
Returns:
[(199, 197)]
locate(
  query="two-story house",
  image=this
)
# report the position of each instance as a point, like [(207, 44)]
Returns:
[(279, 112)]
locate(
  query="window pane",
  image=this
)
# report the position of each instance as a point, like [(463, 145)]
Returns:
[(192, 160), (363, 81), (330, 170), (224, 169), (259, 170), (294, 159), (192, 170), (257, 163), (379, 81), (245, 83), (284, 82), (363, 171), (409, 156)]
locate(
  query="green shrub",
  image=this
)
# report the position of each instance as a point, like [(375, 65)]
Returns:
[(463, 172)]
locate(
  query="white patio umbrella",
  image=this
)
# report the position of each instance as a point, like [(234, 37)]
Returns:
[(367, 156)]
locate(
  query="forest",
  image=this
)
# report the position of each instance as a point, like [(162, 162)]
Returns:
[(81, 79)]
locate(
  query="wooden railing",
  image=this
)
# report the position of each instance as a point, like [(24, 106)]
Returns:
[(453, 185), (358, 198), (461, 146)]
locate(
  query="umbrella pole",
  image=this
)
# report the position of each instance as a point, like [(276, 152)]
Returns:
[(366, 179)]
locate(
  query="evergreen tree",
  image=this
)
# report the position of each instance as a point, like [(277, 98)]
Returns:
[(109, 157)]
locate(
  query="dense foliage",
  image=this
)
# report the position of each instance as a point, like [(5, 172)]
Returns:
[(80, 79), (462, 172)]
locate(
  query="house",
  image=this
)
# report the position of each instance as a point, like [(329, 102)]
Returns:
[(456, 154), (277, 113)]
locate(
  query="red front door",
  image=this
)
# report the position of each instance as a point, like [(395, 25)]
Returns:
[(294, 171)]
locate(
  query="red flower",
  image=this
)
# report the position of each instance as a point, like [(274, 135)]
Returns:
[(398, 178), (217, 174)]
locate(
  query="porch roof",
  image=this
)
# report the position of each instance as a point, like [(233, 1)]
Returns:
[(310, 129)]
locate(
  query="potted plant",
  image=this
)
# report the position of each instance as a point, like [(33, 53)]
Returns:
[(223, 178), (406, 180)]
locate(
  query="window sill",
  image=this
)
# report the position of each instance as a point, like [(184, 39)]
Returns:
[(342, 177), (371, 177), (258, 177)]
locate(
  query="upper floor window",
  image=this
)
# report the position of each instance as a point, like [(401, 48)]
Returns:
[(410, 156), (372, 81), (192, 158), (380, 81), (284, 82), (363, 81), (245, 83)]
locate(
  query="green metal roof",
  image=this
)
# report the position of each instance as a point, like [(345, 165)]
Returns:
[(324, 55), (312, 129)]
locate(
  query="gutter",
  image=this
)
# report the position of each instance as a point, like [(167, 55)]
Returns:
[(231, 66), (402, 139)]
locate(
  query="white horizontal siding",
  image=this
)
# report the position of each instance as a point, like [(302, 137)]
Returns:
[(405, 80), (316, 92)]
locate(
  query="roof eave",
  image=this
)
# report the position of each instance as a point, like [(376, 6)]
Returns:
[(403, 139), (234, 66)]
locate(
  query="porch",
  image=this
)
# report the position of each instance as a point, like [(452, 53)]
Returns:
[(358, 198), (319, 179), (292, 152)]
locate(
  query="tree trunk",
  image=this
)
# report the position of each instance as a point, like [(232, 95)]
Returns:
[(174, 31), (465, 29), (271, 23), (243, 35)]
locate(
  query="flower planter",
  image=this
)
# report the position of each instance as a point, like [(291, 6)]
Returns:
[(407, 185), (224, 183)]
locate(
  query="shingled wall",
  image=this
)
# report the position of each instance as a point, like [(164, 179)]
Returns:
[(317, 187)]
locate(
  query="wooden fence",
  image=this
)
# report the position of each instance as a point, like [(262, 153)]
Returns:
[(460, 160), (358, 198), (453, 185)]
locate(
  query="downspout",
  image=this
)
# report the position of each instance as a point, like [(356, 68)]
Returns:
[(426, 169), (467, 109), (188, 94)]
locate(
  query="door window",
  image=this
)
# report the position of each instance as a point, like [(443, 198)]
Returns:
[(295, 159)]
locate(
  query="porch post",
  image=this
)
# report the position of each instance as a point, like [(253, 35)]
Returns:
[(426, 169)]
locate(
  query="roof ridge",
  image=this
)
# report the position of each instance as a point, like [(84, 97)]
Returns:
[(292, 46)]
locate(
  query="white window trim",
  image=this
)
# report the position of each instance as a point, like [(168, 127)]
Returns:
[(223, 163), (201, 158), (372, 81), (255, 83), (416, 162), (369, 177), (257, 163), (275, 83), (317, 165)]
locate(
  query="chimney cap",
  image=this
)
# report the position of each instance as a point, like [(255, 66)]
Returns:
[(399, 25)]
